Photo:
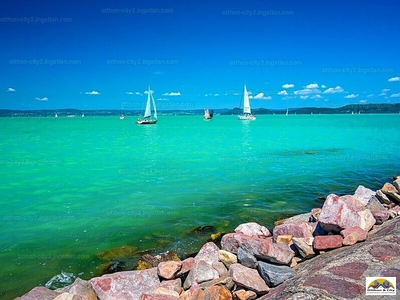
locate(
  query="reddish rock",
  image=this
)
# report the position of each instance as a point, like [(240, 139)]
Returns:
[(353, 270), (225, 281), (305, 249), (336, 287), (297, 229), (385, 252), (263, 249), (244, 295), (168, 269), (327, 242), (209, 252), (67, 296), (194, 293), (187, 265), (126, 285), (172, 285), (217, 292), (202, 271), (40, 292), (396, 184), (253, 229), (353, 235), (380, 216), (364, 194), (248, 278), (390, 190), (220, 268), (339, 213)]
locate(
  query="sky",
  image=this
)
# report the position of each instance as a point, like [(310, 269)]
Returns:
[(198, 54)]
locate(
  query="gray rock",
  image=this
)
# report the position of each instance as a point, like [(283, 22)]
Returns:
[(274, 275), (374, 204), (246, 256), (363, 194)]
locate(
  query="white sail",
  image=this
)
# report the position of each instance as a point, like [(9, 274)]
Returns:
[(154, 106), (147, 112), (246, 102)]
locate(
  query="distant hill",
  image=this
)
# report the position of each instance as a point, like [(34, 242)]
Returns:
[(378, 108), (348, 109)]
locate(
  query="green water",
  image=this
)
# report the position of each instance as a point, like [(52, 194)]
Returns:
[(73, 187)]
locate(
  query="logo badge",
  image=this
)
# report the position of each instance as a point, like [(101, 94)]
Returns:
[(380, 285)]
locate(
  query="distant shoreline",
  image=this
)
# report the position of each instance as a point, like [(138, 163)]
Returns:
[(382, 108)]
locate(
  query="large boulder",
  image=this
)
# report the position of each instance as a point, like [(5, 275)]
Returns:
[(364, 194), (297, 229), (263, 249), (126, 285), (248, 278), (253, 229), (339, 213)]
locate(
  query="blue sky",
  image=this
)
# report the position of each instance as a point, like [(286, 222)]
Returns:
[(198, 54)]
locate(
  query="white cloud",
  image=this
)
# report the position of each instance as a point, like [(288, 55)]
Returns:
[(323, 86), (162, 99), (216, 95), (92, 93), (261, 96), (395, 95), (370, 95), (351, 96), (129, 93), (42, 99), (283, 93), (312, 86), (363, 101), (10, 90), (337, 89), (138, 93), (317, 96), (236, 94), (206, 95), (172, 94), (307, 91), (288, 85), (394, 79), (384, 92), (304, 97)]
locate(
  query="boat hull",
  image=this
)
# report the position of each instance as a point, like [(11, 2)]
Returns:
[(146, 122)]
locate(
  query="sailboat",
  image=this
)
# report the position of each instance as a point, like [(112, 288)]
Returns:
[(208, 114), (246, 115), (147, 117)]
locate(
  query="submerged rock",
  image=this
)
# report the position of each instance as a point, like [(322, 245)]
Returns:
[(60, 280), (119, 252)]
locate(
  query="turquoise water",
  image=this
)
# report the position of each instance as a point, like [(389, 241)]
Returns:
[(74, 187)]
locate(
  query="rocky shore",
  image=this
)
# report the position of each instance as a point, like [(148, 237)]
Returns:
[(324, 254)]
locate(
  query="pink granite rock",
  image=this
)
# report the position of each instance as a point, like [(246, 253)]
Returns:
[(202, 271), (339, 213), (168, 269), (126, 285), (158, 297), (244, 295), (253, 229), (327, 242), (248, 278), (353, 235), (40, 292), (263, 249), (209, 252), (172, 285), (380, 216), (187, 265), (297, 229)]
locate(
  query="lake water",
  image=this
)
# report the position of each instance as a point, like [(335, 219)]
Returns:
[(74, 187)]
